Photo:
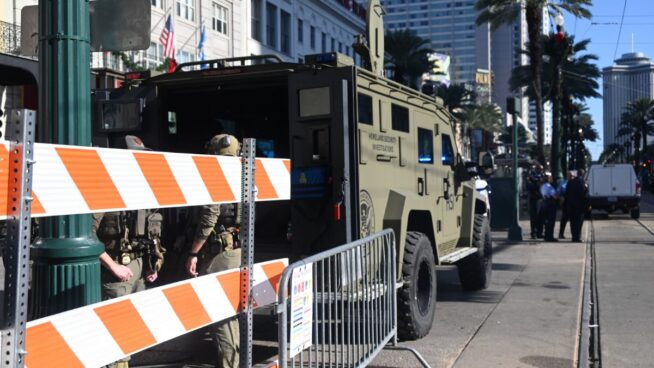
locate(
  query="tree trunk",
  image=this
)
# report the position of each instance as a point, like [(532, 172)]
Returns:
[(637, 149), (643, 132), (534, 15)]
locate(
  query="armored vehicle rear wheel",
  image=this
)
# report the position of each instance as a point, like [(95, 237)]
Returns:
[(635, 213), (475, 270), (417, 298)]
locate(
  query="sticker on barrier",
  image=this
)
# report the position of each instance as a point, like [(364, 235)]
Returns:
[(102, 333), (301, 309), (74, 180)]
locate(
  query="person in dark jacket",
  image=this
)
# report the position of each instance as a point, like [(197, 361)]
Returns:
[(576, 202), (533, 192), (548, 207)]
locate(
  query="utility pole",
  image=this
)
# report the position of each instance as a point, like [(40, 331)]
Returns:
[(66, 265), (514, 107)]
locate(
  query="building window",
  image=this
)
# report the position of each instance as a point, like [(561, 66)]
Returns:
[(425, 146), (285, 30), (271, 25), (153, 56), (157, 3), (256, 19), (219, 20), (186, 9), (185, 57), (324, 42), (333, 48), (300, 31), (312, 37), (340, 47)]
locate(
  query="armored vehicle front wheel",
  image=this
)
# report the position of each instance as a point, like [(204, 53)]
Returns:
[(475, 270), (417, 297)]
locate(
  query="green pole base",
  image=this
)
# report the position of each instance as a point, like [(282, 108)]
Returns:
[(65, 275), (515, 233)]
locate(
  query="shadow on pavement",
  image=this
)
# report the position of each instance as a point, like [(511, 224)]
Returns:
[(449, 290), (507, 267), (540, 361)]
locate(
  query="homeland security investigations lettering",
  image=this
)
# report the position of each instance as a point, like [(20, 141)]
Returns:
[(376, 137)]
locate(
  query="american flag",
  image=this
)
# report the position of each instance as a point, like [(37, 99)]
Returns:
[(167, 38)]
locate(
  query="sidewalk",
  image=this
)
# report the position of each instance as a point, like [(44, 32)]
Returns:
[(536, 323)]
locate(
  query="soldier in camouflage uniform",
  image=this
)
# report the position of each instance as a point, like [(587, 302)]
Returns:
[(215, 242), (133, 251)]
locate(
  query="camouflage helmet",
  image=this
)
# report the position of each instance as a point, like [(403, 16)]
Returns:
[(224, 145)]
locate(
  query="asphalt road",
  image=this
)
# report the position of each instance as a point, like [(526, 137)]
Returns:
[(625, 278)]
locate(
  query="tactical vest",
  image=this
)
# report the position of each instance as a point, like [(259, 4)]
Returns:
[(133, 234)]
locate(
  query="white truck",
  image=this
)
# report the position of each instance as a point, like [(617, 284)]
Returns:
[(612, 187)]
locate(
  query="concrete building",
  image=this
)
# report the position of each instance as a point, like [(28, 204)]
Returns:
[(451, 29), (289, 29), (630, 78)]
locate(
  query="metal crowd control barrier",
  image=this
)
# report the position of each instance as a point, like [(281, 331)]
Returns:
[(342, 305)]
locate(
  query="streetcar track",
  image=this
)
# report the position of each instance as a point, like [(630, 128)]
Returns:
[(593, 327)]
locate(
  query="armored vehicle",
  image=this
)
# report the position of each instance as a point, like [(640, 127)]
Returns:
[(366, 154)]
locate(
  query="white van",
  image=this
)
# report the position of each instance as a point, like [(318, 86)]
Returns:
[(614, 186)]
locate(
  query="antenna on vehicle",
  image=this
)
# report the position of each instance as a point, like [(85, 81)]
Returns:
[(371, 48)]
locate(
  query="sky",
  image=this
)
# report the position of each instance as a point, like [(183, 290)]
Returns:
[(603, 30)]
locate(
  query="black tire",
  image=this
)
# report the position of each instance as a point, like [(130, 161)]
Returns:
[(475, 270), (635, 213), (417, 297)]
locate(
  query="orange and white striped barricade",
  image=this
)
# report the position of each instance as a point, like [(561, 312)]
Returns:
[(75, 180), (69, 180), (99, 334)]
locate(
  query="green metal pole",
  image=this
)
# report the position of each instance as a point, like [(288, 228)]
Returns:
[(66, 270), (515, 231)]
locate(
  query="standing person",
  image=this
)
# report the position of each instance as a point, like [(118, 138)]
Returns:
[(534, 196), (548, 207), (564, 208), (576, 203), (133, 250), (217, 226)]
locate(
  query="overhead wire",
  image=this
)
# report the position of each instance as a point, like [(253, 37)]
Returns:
[(617, 43)]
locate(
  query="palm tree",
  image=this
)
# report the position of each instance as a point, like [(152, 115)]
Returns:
[(636, 123), (498, 12), (577, 78), (407, 56), (578, 75), (485, 117), (455, 98), (643, 112)]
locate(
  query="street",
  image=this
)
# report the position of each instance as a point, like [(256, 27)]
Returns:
[(530, 315)]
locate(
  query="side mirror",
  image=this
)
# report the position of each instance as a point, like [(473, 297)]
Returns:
[(486, 162)]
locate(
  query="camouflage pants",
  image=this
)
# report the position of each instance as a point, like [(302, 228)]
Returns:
[(114, 289), (226, 333)]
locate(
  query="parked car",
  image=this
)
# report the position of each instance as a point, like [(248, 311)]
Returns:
[(614, 187)]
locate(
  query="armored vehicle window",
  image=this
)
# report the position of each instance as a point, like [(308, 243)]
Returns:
[(400, 118), (425, 146), (365, 109), (447, 156), (314, 102)]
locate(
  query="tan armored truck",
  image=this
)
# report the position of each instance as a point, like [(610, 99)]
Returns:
[(366, 154)]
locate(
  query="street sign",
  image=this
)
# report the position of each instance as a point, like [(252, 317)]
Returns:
[(116, 25)]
